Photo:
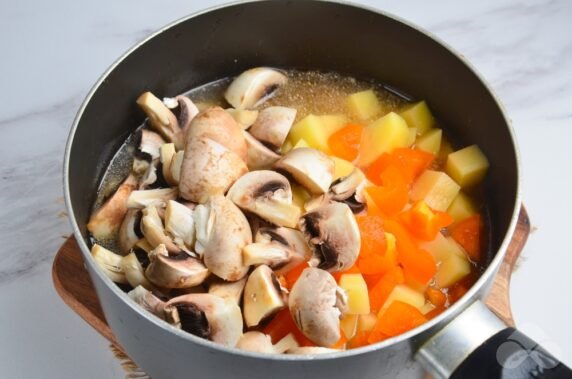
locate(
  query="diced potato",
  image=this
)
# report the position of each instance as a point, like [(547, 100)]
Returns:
[(451, 270), (462, 207), (419, 116), (348, 325), (316, 130), (442, 247), (430, 141), (286, 146), (412, 136), (384, 135), (301, 143), (426, 308), (355, 287), (364, 105), (404, 294), (244, 117), (342, 167), (299, 196), (366, 322), (436, 188), (467, 166)]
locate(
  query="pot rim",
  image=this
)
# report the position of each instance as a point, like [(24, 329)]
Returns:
[(456, 308)]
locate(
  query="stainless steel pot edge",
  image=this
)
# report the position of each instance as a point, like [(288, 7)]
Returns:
[(457, 307)]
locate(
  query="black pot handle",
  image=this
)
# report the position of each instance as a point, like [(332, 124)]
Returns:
[(477, 344), (510, 354)]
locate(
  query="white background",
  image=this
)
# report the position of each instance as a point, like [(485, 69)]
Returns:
[(52, 52)]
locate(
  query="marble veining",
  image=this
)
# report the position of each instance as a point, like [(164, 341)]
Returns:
[(53, 52)]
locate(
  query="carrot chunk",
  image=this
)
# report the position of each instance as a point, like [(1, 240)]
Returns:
[(345, 142), (467, 233), (423, 222), (398, 318), (281, 325), (379, 293)]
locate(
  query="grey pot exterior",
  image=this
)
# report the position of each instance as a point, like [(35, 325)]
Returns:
[(300, 34)]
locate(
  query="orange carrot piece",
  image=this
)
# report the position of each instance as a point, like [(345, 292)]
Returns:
[(467, 233), (376, 335), (436, 297), (372, 235), (434, 313), (359, 340), (389, 200), (341, 342), (281, 325), (345, 142), (379, 293), (423, 222), (374, 171), (409, 162), (291, 276), (398, 318)]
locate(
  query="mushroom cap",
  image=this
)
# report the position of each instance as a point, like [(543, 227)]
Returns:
[(109, 263), (259, 157), (187, 112), (254, 86), (229, 233), (105, 222), (333, 234), (314, 306), (150, 143), (208, 169), (262, 296), (148, 301), (228, 290), (215, 123), (311, 350), (290, 240), (311, 168), (256, 342), (273, 125), (143, 198), (208, 316), (179, 224), (179, 271), (134, 272), (268, 195)]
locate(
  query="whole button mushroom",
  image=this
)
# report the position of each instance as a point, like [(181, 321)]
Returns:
[(206, 316), (316, 304), (333, 234)]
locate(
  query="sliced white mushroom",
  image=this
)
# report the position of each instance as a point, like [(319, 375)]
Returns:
[(253, 87), (148, 301), (109, 262), (316, 305), (180, 271), (207, 316), (311, 350), (243, 117), (157, 197), (180, 225), (187, 112), (208, 169), (311, 168), (216, 124), (129, 232), (140, 166), (272, 126), (262, 296), (228, 290), (333, 235), (150, 143), (105, 222), (134, 272), (291, 241), (259, 157), (258, 342), (204, 222), (154, 232), (349, 189), (161, 119), (175, 167), (273, 255), (266, 194), (144, 245), (229, 233), (149, 176), (167, 154)]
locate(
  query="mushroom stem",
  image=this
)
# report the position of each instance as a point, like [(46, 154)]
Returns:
[(109, 262), (155, 197), (161, 118), (148, 301), (271, 254)]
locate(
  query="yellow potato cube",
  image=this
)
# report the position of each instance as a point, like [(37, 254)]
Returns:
[(467, 166), (418, 116), (452, 269), (430, 141), (436, 188), (299, 196), (366, 322), (404, 294), (382, 136), (442, 247), (286, 146), (342, 168), (364, 105), (316, 130), (301, 143), (348, 325), (358, 298), (412, 136), (462, 207)]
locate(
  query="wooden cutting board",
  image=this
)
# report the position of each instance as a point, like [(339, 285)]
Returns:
[(72, 282)]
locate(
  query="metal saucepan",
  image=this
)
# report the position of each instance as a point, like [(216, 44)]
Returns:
[(365, 43)]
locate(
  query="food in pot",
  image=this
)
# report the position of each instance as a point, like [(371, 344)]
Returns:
[(292, 212)]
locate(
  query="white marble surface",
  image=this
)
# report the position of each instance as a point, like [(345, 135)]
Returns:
[(52, 52)]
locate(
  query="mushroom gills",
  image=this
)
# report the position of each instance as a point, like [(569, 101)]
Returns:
[(349, 189), (253, 87), (333, 235), (179, 271), (130, 232), (148, 301), (262, 296), (161, 119)]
